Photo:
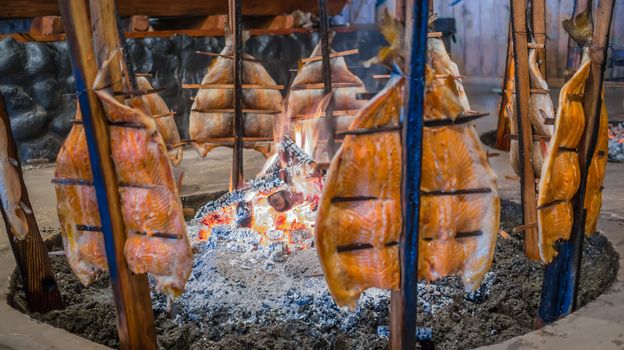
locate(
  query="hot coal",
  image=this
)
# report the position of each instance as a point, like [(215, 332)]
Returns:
[(616, 142), (244, 295)]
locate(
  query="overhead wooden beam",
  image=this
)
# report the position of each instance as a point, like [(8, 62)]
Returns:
[(31, 255), (561, 277), (134, 315), (525, 132), (404, 302), (538, 19), (165, 8)]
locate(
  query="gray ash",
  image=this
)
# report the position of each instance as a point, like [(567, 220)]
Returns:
[(243, 295)]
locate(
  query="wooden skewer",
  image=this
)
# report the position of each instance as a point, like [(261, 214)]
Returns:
[(444, 76), (523, 228), (348, 112), (333, 55), (245, 110), (170, 114), (435, 35), (535, 46), (535, 137), (533, 91), (320, 86), (213, 54), (231, 86), (381, 76)]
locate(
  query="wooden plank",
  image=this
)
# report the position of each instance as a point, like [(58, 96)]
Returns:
[(459, 49), (404, 301), (525, 139), (135, 324), (538, 19), (552, 28), (46, 25), (139, 23), (237, 178), (566, 8), (31, 255), (165, 8), (474, 40), (501, 18), (327, 77), (503, 128), (560, 287)]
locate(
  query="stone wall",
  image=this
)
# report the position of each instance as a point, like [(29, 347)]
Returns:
[(37, 85)]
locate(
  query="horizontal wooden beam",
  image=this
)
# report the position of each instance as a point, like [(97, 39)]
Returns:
[(166, 8), (231, 86)]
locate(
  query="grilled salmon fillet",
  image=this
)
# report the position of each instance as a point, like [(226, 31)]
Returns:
[(207, 120), (303, 100), (156, 232), (359, 220), (560, 178), (156, 107)]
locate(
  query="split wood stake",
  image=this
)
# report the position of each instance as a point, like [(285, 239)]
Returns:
[(538, 18), (525, 138), (560, 287), (404, 301), (327, 77), (31, 255), (503, 129), (135, 323), (333, 55), (237, 178)]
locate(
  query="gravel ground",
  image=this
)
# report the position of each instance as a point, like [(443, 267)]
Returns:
[(239, 297)]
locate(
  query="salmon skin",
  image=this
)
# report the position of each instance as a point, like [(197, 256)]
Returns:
[(359, 220), (156, 107), (206, 121), (303, 99), (156, 241), (561, 175), (11, 189), (541, 113)]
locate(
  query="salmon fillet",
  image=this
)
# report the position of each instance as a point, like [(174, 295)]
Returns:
[(301, 101), (541, 110), (156, 107), (359, 220), (560, 177), (156, 232), (207, 122), (11, 188)]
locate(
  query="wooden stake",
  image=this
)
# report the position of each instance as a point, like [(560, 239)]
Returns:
[(503, 129), (237, 178), (525, 138), (574, 55), (31, 255), (560, 287), (538, 18), (404, 301), (327, 79), (135, 323)]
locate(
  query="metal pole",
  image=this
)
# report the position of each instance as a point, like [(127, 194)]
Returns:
[(404, 302), (135, 320), (327, 80)]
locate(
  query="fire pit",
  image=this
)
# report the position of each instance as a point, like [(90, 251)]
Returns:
[(245, 294), (616, 141)]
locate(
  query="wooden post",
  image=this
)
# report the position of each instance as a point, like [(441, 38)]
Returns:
[(503, 130), (538, 18), (525, 132), (327, 80), (560, 287), (31, 255), (404, 302), (574, 55), (236, 27), (135, 322)]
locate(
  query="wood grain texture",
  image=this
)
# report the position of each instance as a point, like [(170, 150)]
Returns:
[(525, 138), (153, 8), (135, 323), (538, 20), (31, 255)]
